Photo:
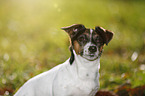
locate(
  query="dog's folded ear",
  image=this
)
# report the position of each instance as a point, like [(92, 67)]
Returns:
[(73, 29), (105, 34)]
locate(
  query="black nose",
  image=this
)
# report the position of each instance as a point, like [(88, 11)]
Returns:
[(92, 49)]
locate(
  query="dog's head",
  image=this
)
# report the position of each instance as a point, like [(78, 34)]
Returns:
[(87, 43)]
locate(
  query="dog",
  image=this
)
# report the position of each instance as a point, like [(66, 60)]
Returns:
[(77, 76)]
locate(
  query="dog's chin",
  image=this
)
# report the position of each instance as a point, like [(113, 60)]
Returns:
[(90, 57)]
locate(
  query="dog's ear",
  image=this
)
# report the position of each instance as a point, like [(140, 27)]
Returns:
[(73, 29), (105, 34)]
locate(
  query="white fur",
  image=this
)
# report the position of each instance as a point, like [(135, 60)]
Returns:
[(79, 79), (86, 52), (91, 32)]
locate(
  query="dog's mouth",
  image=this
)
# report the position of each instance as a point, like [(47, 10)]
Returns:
[(88, 55), (91, 55)]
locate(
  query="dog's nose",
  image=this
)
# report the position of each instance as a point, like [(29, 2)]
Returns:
[(92, 49)]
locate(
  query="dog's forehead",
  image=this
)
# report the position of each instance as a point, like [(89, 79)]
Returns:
[(90, 32), (87, 32)]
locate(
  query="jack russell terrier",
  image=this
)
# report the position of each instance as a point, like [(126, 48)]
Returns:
[(79, 75)]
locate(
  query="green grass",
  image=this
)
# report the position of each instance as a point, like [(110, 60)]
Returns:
[(32, 42)]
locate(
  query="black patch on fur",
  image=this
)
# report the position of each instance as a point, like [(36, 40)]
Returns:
[(105, 34), (71, 60), (101, 32), (80, 31)]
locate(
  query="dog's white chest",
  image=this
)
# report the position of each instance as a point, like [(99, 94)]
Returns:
[(73, 82), (75, 88), (83, 87)]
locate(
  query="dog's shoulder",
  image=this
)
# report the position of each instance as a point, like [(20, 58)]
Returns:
[(42, 80), (48, 74)]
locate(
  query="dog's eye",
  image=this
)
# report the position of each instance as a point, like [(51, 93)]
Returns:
[(98, 39), (82, 39)]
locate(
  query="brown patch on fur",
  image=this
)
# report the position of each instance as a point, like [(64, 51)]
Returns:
[(76, 47), (87, 33), (95, 35), (101, 48)]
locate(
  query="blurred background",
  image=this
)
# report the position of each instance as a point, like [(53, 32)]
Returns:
[(32, 42)]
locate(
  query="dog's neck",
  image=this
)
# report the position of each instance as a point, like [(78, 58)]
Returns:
[(86, 69)]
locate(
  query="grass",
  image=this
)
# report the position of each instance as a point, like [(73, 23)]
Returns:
[(32, 42)]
